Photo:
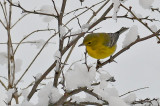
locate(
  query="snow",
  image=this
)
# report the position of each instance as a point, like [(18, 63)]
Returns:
[(48, 93), (79, 77), (116, 101), (50, 10), (85, 26), (146, 4), (25, 93), (106, 92), (3, 58), (62, 31), (25, 103), (55, 95), (103, 77), (38, 76), (130, 98), (116, 8), (154, 28), (57, 55), (131, 36), (86, 98), (9, 94)]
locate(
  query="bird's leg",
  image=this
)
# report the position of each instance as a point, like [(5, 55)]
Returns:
[(111, 59)]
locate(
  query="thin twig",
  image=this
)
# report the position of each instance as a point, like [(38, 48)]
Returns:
[(129, 10), (18, 20), (3, 85), (29, 35), (33, 12), (34, 59), (133, 91)]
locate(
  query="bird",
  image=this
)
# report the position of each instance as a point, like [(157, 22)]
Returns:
[(102, 45)]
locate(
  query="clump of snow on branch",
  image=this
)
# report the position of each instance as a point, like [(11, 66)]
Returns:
[(3, 58), (116, 101), (116, 8), (25, 103), (79, 76), (48, 94), (62, 31), (130, 98), (38, 76), (9, 94), (131, 36), (57, 57), (154, 28), (104, 76), (146, 4), (49, 9), (86, 98), (85, 27)]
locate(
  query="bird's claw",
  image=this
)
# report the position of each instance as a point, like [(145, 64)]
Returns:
[(111, 60)]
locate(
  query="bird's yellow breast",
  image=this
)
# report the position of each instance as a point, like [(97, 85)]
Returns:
[(100, 51)]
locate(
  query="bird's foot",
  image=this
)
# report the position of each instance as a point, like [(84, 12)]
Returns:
[(111, 59), (99, 64)]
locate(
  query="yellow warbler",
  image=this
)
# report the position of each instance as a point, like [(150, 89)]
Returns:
[(102, 45)]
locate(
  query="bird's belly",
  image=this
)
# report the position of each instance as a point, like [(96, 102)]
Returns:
[(101, 52)]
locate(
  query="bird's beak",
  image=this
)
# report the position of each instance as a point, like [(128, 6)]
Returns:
[(81, 45)]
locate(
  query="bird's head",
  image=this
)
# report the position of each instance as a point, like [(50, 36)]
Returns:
[(89, 40)]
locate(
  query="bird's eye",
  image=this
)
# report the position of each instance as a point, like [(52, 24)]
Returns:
[(89, 43)]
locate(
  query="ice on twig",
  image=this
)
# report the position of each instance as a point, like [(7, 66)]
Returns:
[(146, 4), (131, 36), (79, 76), (116, 8)]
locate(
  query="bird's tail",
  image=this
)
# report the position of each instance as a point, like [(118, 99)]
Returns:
[(114, 36), (123, 29)]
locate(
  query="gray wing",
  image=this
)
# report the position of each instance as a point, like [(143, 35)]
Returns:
[(113, 37)]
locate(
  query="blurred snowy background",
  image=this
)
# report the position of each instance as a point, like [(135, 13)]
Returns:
[(136, 68)]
